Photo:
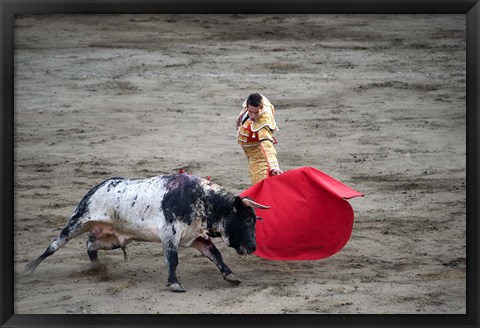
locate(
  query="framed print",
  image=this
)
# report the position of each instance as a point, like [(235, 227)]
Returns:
[(111, 109)]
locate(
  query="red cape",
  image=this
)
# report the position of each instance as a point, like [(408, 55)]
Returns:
[(309, 218)]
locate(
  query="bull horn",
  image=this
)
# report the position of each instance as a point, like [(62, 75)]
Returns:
[(248, 202)]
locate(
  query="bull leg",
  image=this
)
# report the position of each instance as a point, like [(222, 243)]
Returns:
[(105, 243), (72, 230), (171, 258), (208, 249)]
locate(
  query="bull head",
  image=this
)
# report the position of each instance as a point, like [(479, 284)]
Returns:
[(240, 226)]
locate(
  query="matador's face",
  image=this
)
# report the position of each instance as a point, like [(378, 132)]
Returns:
[(254, 112)]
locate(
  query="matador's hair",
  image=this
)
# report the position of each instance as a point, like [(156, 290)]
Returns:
[(255, 100)]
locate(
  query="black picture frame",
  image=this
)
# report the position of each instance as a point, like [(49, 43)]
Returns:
[(471, 8)]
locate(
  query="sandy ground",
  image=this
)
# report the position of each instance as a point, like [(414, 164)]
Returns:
[(377, 102)]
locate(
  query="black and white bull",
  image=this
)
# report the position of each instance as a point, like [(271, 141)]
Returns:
[(178, 210)]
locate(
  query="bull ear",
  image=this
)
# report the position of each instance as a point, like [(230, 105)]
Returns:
[(238, 204), (248, 202)]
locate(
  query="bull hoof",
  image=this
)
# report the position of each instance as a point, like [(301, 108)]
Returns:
[(177, 288), (231, 278)]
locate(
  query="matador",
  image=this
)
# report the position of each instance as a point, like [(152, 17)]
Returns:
[(256, 125)]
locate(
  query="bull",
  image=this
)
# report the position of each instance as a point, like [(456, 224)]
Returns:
[(178, 210)]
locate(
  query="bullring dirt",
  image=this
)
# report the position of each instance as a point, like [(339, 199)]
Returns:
[(375, 101)]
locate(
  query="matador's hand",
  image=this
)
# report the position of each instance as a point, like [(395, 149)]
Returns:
[(276, 171)]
